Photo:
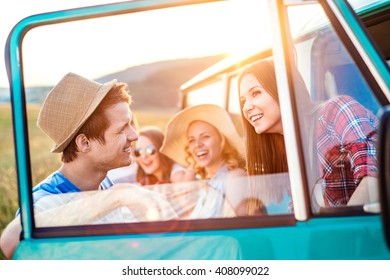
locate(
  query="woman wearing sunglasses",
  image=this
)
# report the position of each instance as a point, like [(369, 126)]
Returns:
[(154, 167), (150, 166)]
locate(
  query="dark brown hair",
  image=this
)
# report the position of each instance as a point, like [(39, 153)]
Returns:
[(266, 152)]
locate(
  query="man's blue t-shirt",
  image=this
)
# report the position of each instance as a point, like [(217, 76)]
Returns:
[(56, 183)]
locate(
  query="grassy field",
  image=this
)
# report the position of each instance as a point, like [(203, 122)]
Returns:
[(8, 189), (42, 161)]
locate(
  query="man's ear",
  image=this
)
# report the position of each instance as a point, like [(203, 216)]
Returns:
[(83, 143)]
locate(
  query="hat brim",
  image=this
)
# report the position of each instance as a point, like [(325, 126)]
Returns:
[(175, 139)]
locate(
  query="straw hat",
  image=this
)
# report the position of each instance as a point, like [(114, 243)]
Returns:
[(176, 132), (68, 105)]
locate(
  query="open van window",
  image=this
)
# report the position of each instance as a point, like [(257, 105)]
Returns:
[(153, 85), (339, 123)]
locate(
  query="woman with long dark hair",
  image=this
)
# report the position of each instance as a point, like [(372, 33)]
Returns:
[(340, 135)]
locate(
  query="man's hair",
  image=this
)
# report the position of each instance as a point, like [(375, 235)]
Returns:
[(97, 123)]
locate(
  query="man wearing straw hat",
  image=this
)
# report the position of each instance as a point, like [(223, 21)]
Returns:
[(90, 124)]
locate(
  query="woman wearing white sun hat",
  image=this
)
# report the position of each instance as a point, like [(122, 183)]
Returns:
[(204, 139)]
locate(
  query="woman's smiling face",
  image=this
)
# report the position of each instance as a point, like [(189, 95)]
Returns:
[(150, 162), (259, 108), (205, 145)]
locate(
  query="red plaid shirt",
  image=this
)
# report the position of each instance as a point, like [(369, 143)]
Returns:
[(346, 136)]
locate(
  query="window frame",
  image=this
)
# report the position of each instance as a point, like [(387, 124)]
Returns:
[(14, 64)]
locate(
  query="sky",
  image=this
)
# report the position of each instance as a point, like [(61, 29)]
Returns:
[(11, 12), (81, 47)]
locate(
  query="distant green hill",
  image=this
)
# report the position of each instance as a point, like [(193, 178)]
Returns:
[(157, 84), (153, 85), (34, 95)]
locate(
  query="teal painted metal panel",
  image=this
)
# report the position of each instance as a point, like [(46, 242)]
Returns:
[(349, 238)]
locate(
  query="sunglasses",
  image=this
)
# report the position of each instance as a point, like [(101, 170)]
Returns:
[(148, 151)]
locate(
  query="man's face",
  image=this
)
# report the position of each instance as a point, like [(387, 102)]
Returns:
[(117, 149)]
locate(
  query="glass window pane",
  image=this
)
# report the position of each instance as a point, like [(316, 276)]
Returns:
[(211, 94), (154, 60), (338, 116)]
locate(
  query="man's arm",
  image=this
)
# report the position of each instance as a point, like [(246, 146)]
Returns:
[(10, 237), (366, 192), (88, 207)]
